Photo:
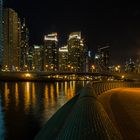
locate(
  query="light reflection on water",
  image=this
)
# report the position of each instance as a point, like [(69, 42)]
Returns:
[(28, 105), (1, 122)]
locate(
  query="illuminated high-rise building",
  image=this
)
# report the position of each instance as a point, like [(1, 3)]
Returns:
[(63, 59), (76, 48), (1, 33), (24, 51), (130, 66), (102, 58), (37, 58), (137, 66), (12, 40), (51, 52)]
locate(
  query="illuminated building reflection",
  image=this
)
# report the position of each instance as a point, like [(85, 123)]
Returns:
[(33, 96), (38, 100), (6, 95), (27, 98), (16, 94), (52, 98), (2, 129)]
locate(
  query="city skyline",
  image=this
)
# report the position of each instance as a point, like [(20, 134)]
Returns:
[(1, 33), (100, 23)]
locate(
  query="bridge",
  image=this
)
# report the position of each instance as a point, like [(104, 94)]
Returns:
[(58, 75), (100, 111)]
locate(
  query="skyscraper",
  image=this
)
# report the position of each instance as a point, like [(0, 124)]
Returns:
[(76, 50), (51, 52), (102, 58), (24, 52), (12, 40), (37, 58), (63, 58), (1, 33)]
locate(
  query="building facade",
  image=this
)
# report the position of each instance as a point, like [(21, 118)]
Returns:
[(51, 52), (102, 58), (130, 66), (1, 33), (24, 51), (76, 48), (37, 58), (137, 66), (12, 40), (63, 58)]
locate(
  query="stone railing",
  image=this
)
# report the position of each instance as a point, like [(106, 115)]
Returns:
[(101, 87), (83, 117)]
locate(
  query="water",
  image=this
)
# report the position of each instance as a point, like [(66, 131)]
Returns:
[(26, 106)]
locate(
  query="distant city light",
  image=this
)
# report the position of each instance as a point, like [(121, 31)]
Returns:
[(122, 76), (89, 53), (96, 56), (36, 47), (75, 35), (27, 75), (63, 49), (51, 37)]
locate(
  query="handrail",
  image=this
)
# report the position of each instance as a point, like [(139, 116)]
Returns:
[(83, 117)]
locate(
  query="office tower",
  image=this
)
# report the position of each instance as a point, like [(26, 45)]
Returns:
[(137, 66), (76, 48), (24, 51), (90, 62), (30, 64), (1, 33), (63, 59), (12, 40), (102, 58), (51, 52), (130, 66), (37, 58)]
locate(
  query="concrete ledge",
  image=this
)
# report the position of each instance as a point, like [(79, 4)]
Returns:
[(87, 121), (82, 118), (55, 123)]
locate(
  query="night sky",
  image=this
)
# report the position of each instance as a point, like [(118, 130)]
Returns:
[(114, 23)]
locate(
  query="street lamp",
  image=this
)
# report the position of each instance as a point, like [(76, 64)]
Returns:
[(117, 68), (68, 67), (71, 68), (16, 68), (33, 68), (46, 66), (52, 67), (93, 68)]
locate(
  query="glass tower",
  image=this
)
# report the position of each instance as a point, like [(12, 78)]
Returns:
[(1, 33), (12, 40), (51, 52), (76, 50)]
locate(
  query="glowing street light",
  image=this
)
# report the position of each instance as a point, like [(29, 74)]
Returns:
[(122, 76), (72, 68), (27, 75), (93, 68), (118, 68)]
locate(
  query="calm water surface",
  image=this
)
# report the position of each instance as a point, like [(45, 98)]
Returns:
[(26, 106)]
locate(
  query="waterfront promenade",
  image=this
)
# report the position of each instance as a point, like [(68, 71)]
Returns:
[(123, 108), (105, 111)]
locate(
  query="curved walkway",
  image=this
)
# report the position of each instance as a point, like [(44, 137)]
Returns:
[(123, 108)]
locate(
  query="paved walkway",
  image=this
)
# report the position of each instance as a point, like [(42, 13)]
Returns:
[(123, 108), (82, 118)]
